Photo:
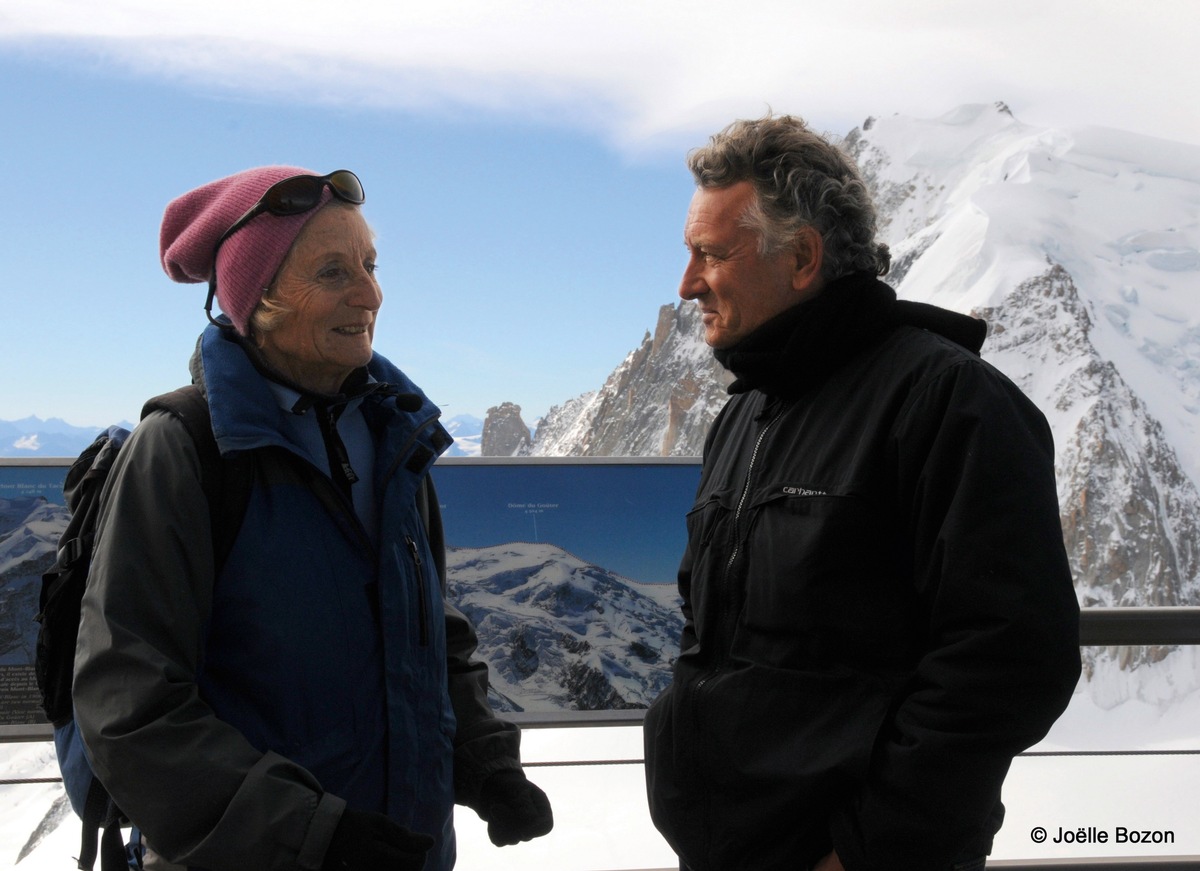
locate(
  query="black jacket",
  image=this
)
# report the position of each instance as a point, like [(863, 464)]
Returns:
[(879, 611)]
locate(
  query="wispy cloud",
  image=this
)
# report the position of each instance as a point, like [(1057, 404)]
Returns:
[(641, 72)]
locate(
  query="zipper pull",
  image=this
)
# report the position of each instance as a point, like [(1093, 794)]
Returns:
[(422, 597), (413, 552)]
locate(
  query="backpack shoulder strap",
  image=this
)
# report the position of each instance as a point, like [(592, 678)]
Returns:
[(191, 407), (226, 482)]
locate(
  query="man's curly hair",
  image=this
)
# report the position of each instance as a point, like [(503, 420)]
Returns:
[(801, 179)]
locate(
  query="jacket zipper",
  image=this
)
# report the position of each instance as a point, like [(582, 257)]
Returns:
[(413, 550), (422, 596), (727, 594), (737, 514)]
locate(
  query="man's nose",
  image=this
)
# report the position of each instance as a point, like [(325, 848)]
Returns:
[(692, 284)]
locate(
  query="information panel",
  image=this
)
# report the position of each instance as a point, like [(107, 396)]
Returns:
[(566, 568), (32, 518)]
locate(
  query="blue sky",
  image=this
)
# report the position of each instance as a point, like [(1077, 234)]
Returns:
[(523, 161)]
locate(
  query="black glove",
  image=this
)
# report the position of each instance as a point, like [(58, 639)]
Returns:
[(366, 841), (515, 809)]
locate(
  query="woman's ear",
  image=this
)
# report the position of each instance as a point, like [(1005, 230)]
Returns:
[(809, 250)]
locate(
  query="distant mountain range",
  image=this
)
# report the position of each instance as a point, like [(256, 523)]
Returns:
[(33, 437), (467, 431)]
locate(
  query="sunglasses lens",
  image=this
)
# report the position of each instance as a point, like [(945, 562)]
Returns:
[(293, 195), (303, 192), (347, 186)]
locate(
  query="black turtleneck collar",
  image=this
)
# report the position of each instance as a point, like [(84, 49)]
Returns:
[(798, 349)]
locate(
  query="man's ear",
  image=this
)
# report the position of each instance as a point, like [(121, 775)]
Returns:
[(809, 250)]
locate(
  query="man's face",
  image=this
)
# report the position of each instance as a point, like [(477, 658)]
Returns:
[(737, 289)]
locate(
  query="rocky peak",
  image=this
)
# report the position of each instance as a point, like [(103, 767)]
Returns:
[(504, 432), (658, 403), (1129, 510)]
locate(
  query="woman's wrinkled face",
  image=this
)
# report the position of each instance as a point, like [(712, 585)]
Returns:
[(328, 283)]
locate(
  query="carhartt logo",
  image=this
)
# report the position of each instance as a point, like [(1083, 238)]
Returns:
[(802, 491)]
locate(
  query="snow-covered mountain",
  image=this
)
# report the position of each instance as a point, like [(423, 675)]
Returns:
[(559, 633), (29, 533), (658, 402), (1081, 248), (467, 431)]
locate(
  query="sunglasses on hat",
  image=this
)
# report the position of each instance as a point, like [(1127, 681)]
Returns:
[(291, 196)]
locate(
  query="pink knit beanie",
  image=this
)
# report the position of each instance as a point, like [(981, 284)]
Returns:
[(249, 259)]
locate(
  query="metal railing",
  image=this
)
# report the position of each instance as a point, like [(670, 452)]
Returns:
[(1098, 627)]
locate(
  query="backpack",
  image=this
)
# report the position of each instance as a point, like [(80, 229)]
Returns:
[(226, 483)]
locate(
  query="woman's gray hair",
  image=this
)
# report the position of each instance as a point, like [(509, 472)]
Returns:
[(267, 315), (801, 180)]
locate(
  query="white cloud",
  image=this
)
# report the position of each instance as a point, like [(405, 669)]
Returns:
[(645, 71)]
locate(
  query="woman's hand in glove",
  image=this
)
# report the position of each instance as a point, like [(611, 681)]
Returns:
[(514, 809), (366, 841)]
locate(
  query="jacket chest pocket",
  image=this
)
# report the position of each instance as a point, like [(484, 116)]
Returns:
[(708, 515), (710, 539), (813, 569)]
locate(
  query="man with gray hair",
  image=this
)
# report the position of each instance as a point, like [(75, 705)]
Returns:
[(878, 608)]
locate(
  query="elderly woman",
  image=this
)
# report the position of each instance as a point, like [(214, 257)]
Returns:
[(312, 703)]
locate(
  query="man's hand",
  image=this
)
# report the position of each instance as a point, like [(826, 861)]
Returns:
[(515, 809), (830, 863)]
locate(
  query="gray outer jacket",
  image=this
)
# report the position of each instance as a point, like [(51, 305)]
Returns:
[(203, 792)]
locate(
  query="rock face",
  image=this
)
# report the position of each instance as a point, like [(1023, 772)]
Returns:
[(1129, 509), (658, 403), (504, 432)]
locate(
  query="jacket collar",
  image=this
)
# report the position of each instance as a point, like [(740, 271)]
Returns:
[(800, 348), (246, 412)]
